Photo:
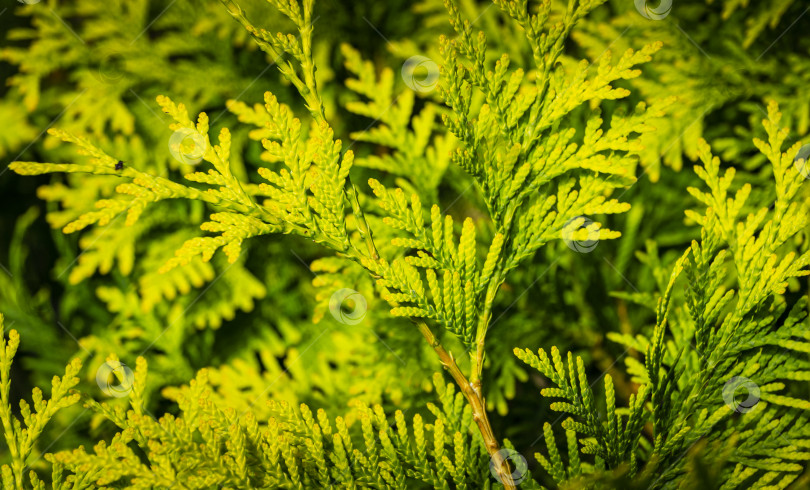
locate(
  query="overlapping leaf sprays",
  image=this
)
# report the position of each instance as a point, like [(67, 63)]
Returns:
[(715, 346), (518, 139), (540, 172)]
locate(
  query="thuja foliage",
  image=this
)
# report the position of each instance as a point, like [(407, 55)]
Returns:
[(724, 329), (717, 49), (547, 141), (113, 298)]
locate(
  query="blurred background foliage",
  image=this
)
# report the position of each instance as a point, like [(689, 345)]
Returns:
[(95, 67)]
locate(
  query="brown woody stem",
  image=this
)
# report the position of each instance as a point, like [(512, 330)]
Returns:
[(472, 392), (476, 400)]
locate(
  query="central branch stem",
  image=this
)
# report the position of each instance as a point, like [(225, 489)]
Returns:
[(472, 392), (476, 400)]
